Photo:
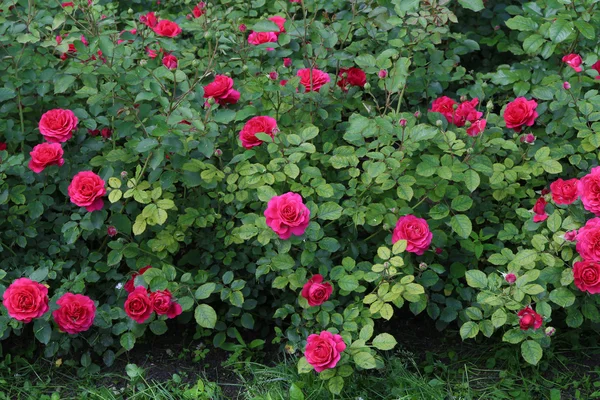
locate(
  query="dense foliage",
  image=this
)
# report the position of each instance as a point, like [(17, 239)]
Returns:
[(310, 172)]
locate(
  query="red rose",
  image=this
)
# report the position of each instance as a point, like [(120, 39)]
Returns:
[(596, 67), (588, 189), (198, 10), (466, 112), (68, 4), (221, 89), (315, 291), (149, 20), (529, 319), (287, 215), (539, 210), (2, 146), (351, 77), (255, 125), (588, 240), (138, 305), (587, 276), (25, 299), (162, 302), (129, 286), (75, 314), (574, 61), (86, 190), (170, 61), (167, 28), (323, 351), (312, 79), (519, 113), (57, 125), (445, 106), (151, 53), (279, 21), (564, 192), (256, 38), (287, 62), (477, 127), (416, 233), (571, 236), (106, 133), (45, 154)]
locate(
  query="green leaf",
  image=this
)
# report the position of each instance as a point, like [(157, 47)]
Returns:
[(521, 23), (552, 166), (39, 274), (462, 203), (384, 341), (205, 316), (475, 5), (562, 296), (127, 341), (158, 327), (304, 366), (43, 330), (7, 94), (63, 83), (499, 318), (531, 351), (265, 26), (225, 116), (336, 384), (282, 262), (469, 330), (533, 43), (514, 336), (586, 29), (330, 211), (146, 144), (296, 393), (461, 224), (204, 291), (472, 180), (106, 45), (365, 360), (348, 283), (366, 332), (422, 132), (476, 279), (560, 30)]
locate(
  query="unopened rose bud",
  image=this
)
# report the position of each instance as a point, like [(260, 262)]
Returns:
[(422, 266), (417, 114), (367, 86), (529, 138), (382, 73), (438, 250), (510, 278), (550, 331), (571, 236), (439, 122), (489, 106), (402, 122), (208, 35), (143, 62), (463, 98), (244, 67), (130, 11), (211, 101), (289, 349), (497, 27), (273, 75), (123, 174), (218, 152), (189, 16), (242, 28), (566, 85), (454, 106), (195, 63), (386, 264), (287, 62), (111, 231)]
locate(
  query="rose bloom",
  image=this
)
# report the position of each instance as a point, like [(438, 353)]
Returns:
[(129, 286), (68, 4), (574, 61), (564, 192), (57, 125), (520, 112), (151, 53), (315, 291), (510, 278), (588, 189), (25, 299), (75, 314), (287, 215), (170, 61), (163, 304), (86, 190), (596, 67), (571, 236), (539, 210), (198, 10), (353, 77), (445, 106), (138, 305), (167, 28), (312, 79), (587, 276), (106, 133), (149, 20), (477, 127), (256, 38), (242, 28), (279, 21), (323, 350), (588, 240), (466, 112), (529, 138), (416, 233), (529, 319), (255, 125), (221, 89), (44, 155)]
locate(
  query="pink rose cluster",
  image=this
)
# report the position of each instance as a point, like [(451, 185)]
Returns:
[(459, 114)]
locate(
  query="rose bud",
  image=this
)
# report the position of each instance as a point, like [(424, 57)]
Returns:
[(566, 85), (550, 331), (123, 174), (273, 75), (510, 278), (242, 28), (571, 236), (287, 62), (438, 250), (417, 114), (111, 231), (422, 266), (382, 73), (218, 152), (402, 122)]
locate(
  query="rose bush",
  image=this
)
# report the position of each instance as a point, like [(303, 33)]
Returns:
[(404, 158)]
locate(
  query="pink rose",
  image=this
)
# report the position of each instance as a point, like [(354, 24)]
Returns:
[(25, 299), (312, 79), (466, 112), (130, 284), (529, 319), (149, 20), (445, 106), (57, 125), (44, 155), (255, 125), (587, 276), (571, 236), (315, 291), (520, 112), (287, 62), (596, 67), (539, 209), (589, 191), (75, 313), (138, 305), (167, 28), (416, 233), (198, 10), (221, 89), (287, 215), (574, 61), (564, 192), (279, 21), (86, 190), (163, 304), (323, 350), (170, 61), (151, 53), (588, 240), (351, 77), (256, 38), (476, 128)]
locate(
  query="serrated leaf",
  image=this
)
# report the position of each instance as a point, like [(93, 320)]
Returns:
[(475, 5), (476, 279), (461, 224), (384, 341), (469, 330), (531, 351), (205, 316)]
